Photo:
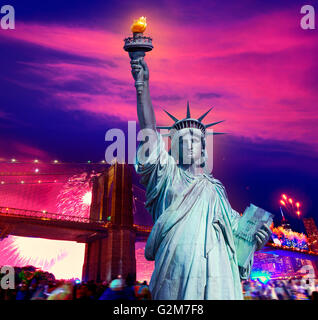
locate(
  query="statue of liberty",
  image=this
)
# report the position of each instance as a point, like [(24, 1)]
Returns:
[(192, 239)]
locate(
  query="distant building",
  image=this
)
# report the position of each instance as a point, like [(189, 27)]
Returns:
[(312, 233)]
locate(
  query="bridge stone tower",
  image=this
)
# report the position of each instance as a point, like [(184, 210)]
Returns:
[(112, 199)]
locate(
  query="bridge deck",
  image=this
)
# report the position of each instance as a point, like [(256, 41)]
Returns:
[(39, 224)]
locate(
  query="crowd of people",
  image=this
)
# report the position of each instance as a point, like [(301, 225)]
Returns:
[(34, 284), (283, 289)]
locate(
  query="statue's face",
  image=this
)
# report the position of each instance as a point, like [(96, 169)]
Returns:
[(190, 146)]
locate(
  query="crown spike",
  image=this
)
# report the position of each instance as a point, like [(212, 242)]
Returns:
[(171, 116), (203, 116), (213, 124), (188, 110)]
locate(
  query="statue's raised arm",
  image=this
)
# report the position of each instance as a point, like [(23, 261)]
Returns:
[(145, 112), (153, 162)]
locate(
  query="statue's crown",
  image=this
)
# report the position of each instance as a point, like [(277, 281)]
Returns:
[(189, 122)]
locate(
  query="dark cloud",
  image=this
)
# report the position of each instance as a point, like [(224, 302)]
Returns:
[(15, 51), (167, 98), (207, 95)]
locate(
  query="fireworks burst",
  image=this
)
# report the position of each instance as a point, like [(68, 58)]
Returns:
[(25, 251), (76, 196), (62, 258), (87, 198), (291, 206)]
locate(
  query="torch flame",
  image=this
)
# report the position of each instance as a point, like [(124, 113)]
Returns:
[(139, 25)]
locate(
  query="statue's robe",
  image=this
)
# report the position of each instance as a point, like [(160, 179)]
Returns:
[(192, 238)]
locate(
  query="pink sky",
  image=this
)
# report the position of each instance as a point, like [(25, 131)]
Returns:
[(258, 75)]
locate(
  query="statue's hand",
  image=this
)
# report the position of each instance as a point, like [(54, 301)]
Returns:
[(139, 69), (262, 236)]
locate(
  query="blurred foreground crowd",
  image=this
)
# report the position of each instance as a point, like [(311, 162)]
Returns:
[(34, 284), (288, 289)]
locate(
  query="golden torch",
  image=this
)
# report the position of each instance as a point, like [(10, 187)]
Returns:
[(138, 45)]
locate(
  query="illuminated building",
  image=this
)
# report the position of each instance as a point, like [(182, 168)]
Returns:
[(312, 233)]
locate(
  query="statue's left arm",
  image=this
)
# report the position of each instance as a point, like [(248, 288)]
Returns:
[(262, 236), (244, 272)]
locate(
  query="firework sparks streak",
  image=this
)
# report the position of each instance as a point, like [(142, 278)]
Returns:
[(75, 196)]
